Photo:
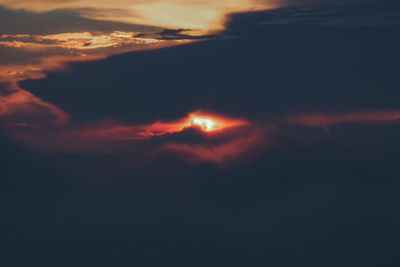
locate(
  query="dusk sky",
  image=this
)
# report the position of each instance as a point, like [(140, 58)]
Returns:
[(199, 133)]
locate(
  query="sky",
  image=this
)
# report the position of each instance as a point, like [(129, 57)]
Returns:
[(199, 133)]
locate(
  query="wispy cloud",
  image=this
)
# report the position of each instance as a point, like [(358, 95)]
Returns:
[(325, 120), (112, 130), (20, 107), (199, 137), (75, 41), (203, 15)]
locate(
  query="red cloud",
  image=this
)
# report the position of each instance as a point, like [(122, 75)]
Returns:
[(214, 138), (218, 153), (110, 130)]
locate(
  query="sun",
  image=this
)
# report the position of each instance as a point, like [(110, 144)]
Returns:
[(210, 122), (205, 124)]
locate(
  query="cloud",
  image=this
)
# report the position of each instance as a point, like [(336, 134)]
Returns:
[(109, 130), (201, 137), (204, 15), (311, 69), (20, 107), (221, 153), (26, 22), (33, 56), (263, 78), (338, 198), (337, 13), (326, 120), (224, 196), (76, 41)]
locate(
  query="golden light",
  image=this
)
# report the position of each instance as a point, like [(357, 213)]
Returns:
[(209, 123), (78, 41), (204, 123), (201, 15)]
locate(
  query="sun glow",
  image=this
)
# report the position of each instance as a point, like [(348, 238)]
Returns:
[(209, 123), (204, 123)]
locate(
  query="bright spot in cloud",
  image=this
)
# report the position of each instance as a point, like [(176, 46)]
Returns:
[(209, 123), (205, 124)]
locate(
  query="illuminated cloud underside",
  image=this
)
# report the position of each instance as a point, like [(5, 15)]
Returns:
[(230, 137), (109, 130), (203, 15), (59, 50), (77, 41), (17, 102)]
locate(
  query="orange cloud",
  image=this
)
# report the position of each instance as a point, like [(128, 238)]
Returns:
[(109, 130), (61, 50), (38, 70), (229, 140), (76, 41), (220, 153), (196, 16), (203, 15), (18, 102), (54, 52), (70, 47), (210, 124)]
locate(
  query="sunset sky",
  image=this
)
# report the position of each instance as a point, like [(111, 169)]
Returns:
[(199, 133)]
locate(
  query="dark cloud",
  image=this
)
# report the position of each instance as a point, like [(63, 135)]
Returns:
[(366, 13), (324, 199), (179, 34), (268, 69)]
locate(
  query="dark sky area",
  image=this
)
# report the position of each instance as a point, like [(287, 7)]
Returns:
[(311, 179)]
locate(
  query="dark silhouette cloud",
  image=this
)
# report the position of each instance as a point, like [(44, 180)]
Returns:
[(349, 14), (177, 34), (322, 200), (267, 70)]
